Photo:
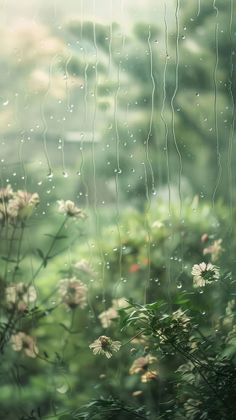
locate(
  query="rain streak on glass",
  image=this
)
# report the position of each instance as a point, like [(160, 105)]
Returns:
[(117, 209)]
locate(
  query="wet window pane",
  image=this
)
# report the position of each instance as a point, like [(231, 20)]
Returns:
[(117, 210)]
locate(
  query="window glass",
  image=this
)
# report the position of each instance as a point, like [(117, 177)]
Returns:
[(117, 209)]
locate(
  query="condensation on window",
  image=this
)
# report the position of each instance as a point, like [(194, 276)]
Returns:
[(117, 209)]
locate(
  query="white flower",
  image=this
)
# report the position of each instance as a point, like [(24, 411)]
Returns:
[(24, 342), (181, 318), (119, 303), (11, 210), (141, 364), (157, 224), (69, 208), (21, 295), (107, 316), (22, 204), (204, 274), (112, 313), (214, 250), (105, 345), (73, 292), (84, 266), (6, 193), (148, 376)]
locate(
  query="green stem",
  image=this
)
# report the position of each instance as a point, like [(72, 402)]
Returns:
[(18, 251), (9, 251), (131, 339), (68, 334), (49, 250)]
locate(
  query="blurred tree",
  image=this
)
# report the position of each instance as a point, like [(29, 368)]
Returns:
[(206, 47), (145, 89)]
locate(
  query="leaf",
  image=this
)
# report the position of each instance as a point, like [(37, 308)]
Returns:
[(155, 305), (45, 259), (56, 237), (9, 259), (64, 326), (181, 299), (40, 252)]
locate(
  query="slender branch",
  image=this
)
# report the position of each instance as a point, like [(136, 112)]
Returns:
[(9, 251), (18, 251), (49, 250)]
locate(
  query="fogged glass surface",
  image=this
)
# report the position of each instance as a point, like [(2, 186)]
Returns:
[(117, 209)]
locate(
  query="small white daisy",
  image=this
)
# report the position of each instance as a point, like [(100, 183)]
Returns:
[(73, 292), (105, 345), (204, 274), (69, 208)]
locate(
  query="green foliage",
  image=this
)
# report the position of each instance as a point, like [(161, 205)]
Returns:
[(104, 409), (140, 258)]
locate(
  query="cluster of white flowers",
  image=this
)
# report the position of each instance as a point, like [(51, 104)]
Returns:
[(16, 206), (22, 341), (141, 365), (20, 295)]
